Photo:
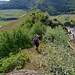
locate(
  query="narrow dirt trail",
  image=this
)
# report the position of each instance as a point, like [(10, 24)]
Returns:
[(36, 66)]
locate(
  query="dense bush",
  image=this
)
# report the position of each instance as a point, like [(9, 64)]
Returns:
[(56, 23), (14, 41), (70, 23), (57, 35), (59, 58), (37, 16), (38, 28), (60, 61), (17, 61)]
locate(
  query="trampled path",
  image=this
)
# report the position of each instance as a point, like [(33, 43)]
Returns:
[(25, 72), (36, 66)]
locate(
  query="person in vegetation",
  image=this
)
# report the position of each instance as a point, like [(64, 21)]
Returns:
[(36, 41)]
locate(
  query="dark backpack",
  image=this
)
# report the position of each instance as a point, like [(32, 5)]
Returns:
[(35, 40)]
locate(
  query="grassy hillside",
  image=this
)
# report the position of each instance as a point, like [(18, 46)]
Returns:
[(2, 23), (63, 17), (52, 6), (18, 51), (7, 16)]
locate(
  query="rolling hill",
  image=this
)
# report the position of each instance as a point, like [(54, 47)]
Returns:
[(3, 2), (50, 60), (14, 23), (52, 6)]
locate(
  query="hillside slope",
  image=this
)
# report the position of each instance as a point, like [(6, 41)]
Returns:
[(14, 23), (36, 65), (52, 6)]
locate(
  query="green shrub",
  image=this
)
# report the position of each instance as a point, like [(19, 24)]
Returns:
[(70, 23), (38, 28), (55, 23), (17, 61), (60, 61), (57, 35), (14, 41)]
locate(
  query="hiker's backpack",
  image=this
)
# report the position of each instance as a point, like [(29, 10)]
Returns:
[(35, 40)]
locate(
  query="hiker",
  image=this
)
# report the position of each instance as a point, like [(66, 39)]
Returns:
[(36, 41)]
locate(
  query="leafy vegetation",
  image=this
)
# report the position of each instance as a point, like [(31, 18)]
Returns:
[(11, 14), (13, 42), (4, 23), (52, 6), (14, 61), (59, 60), (56, 35)]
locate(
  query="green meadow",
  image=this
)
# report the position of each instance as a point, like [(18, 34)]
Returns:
[(63, 17), (13, 13), (8, 14), (4, 22)]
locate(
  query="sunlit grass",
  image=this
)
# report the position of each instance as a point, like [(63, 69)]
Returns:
[(4, 22), (62, 17), (16, 13)]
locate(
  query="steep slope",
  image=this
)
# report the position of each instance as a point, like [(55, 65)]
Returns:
[(52, 6), (36, 66), (46, 5), (14, 23), (56, 6), (20, 4)]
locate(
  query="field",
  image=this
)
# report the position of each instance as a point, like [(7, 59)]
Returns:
[(62, 17), (10, 14), (4, 23)]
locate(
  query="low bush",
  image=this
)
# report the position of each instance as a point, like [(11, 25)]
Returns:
[(17, 61), (14, 41), (39, 29), (60, 61), (57, 35), (59, 58)]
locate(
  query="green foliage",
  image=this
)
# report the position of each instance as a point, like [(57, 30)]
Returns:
[(21, 38), (17, 61), (60, 62), (14, 41), (57, 35), (11, 14), (70, 23), (39, 29), (59, 58), (52, 6), (55, 23), (35, 23), (4, 23)]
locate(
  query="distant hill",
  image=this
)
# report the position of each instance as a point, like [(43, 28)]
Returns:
[(56, 6), (3, 2), (17, 4), (52, 6)]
